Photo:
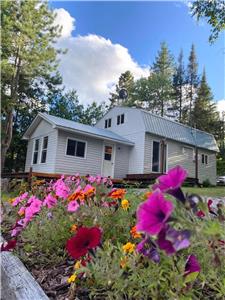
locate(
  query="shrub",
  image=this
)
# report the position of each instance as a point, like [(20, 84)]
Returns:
[(124, 244)]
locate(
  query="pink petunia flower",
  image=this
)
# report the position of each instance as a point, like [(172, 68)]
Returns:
[(73, 206), (192, 265), (171, 182), (50, 201), (35, 207), (154, 213), (19, 199), (61, 189)]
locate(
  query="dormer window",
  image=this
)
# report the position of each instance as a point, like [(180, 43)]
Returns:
[(120, 119), (108, 123)]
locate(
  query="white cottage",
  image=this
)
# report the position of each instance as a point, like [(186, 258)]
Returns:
[(125, 141)]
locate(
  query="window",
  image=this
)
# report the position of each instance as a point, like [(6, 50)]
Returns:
[(44, 149), (155, 157), (203, 158), (36, 149), (108, 123), (108, 153), (75, 148), (120, 119)]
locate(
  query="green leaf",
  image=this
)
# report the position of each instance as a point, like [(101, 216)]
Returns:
[(191, 277)]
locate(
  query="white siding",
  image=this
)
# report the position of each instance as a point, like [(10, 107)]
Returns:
[(183, 155), (70, 165), (207, 171), (42, 130), (121, 161), (133, 129)]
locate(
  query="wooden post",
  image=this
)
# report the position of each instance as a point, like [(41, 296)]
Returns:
[(196, 166), (30, 178), (162, 147)]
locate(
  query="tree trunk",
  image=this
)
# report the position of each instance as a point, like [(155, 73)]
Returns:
[(6, 140)]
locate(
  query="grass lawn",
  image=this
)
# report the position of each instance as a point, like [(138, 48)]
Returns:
[(218, 191)]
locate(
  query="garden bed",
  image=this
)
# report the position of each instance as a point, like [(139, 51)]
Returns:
[(81, 238)]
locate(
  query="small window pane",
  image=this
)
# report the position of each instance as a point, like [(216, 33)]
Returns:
[(35, 158), (122, 118), (118, 120), (203, 158), (43, 156), (108, 153), (206, 159), (106, 122), (36, 145), (80, 149), (45, 143), (155, 157), (109, 122), (71, 147)]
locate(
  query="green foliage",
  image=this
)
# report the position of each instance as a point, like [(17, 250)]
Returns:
[(206, 183), (214, 13), (204, 111), (126, 81), (28, 58)]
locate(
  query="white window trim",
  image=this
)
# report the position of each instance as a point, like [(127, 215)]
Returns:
[(42, 143), (32, 161), (113, 157), (158, 141), (76, 140)]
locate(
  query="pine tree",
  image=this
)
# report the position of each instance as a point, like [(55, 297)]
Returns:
[(192, 81), (204, 112), (160, 80), (126, 81), (28, 56), (179, 85)]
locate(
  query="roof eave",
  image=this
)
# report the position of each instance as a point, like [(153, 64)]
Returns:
[(94, 135)]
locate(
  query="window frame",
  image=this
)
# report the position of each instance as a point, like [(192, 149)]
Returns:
[(34, 143), (76, 140), (44, 149), (157, 141), (203, 158), (120, 118), (108, 123)]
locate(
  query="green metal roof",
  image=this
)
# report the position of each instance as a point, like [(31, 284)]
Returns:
[(179, 132)]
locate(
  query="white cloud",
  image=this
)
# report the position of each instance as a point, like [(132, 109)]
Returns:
[(64, 19), (93, 64), (221, 105)]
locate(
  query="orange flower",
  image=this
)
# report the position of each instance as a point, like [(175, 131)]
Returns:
[(89, 190), (77, 195), (117, 194), (123, 262), (134, 233), (147, 195), (73, 228)]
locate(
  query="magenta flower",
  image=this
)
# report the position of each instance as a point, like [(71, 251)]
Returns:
[(171, 240), (148, 249), (33, 208), (154, 213), (8, 246), (192, 265), (50, 201), (19, 199), (61, 189), (171, 182), (73, 206)]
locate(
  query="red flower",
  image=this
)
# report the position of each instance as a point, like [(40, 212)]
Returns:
[(200, 214), (10, 245), (85, 240)]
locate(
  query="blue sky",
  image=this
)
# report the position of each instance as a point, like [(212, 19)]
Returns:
[(141, 26)]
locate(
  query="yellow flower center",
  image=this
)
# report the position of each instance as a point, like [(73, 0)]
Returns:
[(128, 247)]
